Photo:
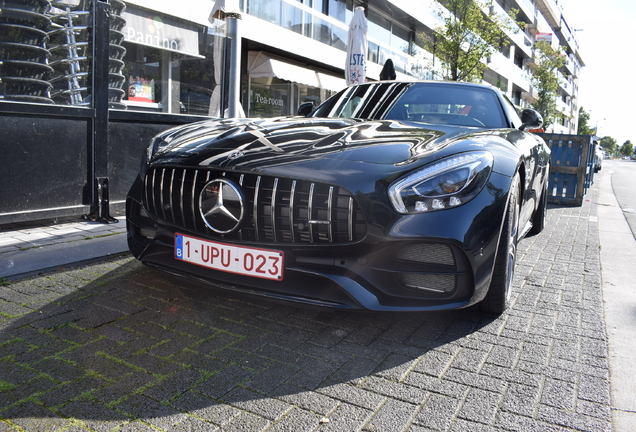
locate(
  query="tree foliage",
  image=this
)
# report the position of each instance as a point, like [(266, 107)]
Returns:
[(627, 149), (609, 144), (584, 128), (546, 81), (468, 37)]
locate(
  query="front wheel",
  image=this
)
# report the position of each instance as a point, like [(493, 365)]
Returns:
[(499, 293)]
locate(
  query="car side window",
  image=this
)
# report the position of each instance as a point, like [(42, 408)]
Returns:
[(513, 114)]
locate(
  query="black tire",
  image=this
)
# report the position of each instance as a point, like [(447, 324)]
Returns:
[(499, 293), (541, 214)]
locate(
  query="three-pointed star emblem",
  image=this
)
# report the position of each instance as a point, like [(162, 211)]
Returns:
[(221, 205)]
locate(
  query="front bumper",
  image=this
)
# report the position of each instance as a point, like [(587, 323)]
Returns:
[(426, 262)]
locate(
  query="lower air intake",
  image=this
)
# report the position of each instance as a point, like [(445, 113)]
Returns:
[(436, 283)]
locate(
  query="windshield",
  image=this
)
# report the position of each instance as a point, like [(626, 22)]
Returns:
[(439, 103)]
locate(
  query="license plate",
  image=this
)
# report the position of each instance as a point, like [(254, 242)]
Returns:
[(248, 261)]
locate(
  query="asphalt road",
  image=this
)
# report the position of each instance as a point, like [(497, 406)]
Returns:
[(623, 174)]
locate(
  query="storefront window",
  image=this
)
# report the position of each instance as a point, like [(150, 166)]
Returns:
[(269, 98), (171, 66), (156, 62), (273, 97)]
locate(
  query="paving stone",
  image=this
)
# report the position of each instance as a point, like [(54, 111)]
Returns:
[(32, 417), (109, 368), (29, 389), (123, 387), (13, 348), (347, 418), (256, 403), (302, 398), (64, 393), (298, 420), (395, 390), (354, 371), (474, 380), (470, 360), (94, 415), (313, 374), (271, 377), (246, 422), (352, 395), (520, 399), (438, 412), (223, 381), (572, 420), (150, 411), (175, 384), (153, 365), (58, 370), (559, 394), (205, 408), (193, 424)]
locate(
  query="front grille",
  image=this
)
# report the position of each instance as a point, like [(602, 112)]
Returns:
[(277, 209)]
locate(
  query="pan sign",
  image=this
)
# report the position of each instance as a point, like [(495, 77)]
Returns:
[(160, 32)]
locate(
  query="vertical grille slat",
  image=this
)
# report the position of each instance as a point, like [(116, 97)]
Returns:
[(194, 199), (278, 210), (310, 212), (350, 219), (256, 192), (292, 194), (182, 197), (153, 191), (161, 192), (329, 215), (273, 209), (171, 192)]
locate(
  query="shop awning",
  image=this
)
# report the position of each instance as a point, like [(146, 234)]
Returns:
[(263, 65), (331, 82)]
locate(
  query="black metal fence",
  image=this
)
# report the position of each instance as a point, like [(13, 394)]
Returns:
[(63, 160)]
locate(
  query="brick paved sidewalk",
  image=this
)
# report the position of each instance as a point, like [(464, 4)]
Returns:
[(117, 346), (31, 247)]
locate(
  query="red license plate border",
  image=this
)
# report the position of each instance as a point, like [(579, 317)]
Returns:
[(211, 242)]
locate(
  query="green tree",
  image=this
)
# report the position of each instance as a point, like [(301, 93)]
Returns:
[(546, 81), (584, 118), (609, 144), (627, 149), (468, 37)]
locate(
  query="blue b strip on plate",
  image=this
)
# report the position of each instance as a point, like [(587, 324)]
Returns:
[(178, 246)]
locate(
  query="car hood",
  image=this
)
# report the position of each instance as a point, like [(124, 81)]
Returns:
[(254, 142)]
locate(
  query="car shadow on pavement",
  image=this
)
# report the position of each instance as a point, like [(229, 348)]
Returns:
[(115, 343)]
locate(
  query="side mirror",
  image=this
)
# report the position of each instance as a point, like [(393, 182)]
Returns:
[(305, 109), (530, 119)]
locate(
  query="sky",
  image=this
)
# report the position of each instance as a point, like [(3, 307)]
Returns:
[(607, 87)]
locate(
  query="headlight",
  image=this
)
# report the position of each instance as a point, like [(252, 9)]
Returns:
[(156, 144), (449, 182)]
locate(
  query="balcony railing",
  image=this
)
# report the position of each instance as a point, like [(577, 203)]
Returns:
[(305, 21), (517, 35)]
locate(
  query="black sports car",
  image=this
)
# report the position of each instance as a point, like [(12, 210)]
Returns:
[(390, 196)]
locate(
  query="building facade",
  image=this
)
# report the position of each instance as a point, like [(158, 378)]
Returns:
[(171, 58), (76, 119)]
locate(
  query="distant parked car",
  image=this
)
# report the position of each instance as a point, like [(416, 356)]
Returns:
[(390, 196), (598, 159)]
